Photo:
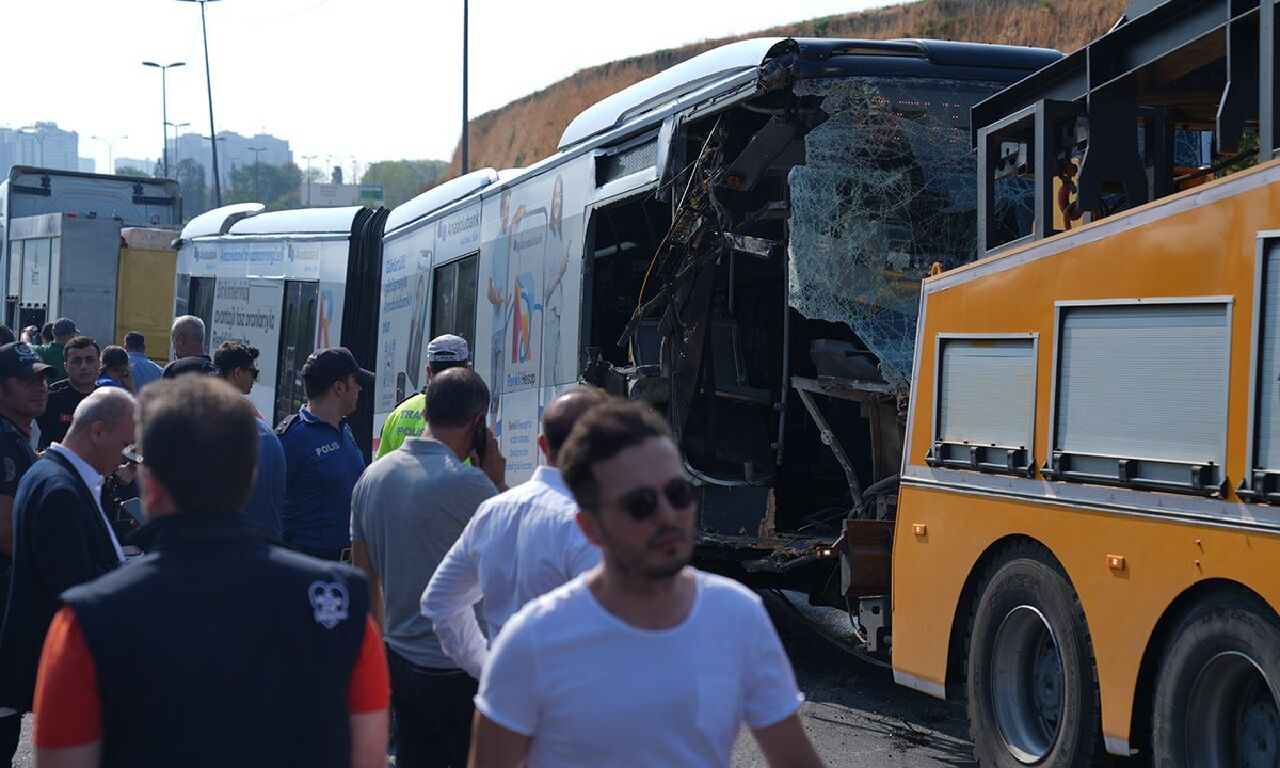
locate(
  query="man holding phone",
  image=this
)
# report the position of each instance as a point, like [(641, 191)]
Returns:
[(407, 510)]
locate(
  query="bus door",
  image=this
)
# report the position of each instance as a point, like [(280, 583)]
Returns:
[(297, 342)]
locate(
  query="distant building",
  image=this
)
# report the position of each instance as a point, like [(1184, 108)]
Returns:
[(88, 165), (233, 152), (45, 145)]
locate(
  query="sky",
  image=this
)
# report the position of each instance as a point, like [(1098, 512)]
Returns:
[(364, 79)]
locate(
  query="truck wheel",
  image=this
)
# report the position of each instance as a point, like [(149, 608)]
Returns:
[(1031, 684), (1218, 688)]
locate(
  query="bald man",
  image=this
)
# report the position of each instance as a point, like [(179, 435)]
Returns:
[(189, 353), (519, 545)]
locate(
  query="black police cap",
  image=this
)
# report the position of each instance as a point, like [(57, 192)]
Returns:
[(332, 364), (19, 360)]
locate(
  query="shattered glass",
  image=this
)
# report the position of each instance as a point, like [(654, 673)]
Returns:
[(888, 187)]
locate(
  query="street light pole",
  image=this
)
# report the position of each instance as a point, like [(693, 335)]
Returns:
[(164, 110), (111, 143), (309, 158), (463, 166), (213, 144)]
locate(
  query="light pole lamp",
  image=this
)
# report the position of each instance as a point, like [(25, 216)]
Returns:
[(208, 80), (309, 158), (164, 110), (111, 143)]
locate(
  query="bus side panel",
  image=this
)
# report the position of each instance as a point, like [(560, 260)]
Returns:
[(404, 301), (1198, 244), (530, 244)]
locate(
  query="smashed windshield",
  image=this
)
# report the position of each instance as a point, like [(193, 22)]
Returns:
[(888, 187)]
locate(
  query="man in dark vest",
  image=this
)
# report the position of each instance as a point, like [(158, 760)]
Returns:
[(61, 536), (215, 648)]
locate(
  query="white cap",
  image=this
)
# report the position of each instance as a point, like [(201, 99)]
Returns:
[(447, 349)]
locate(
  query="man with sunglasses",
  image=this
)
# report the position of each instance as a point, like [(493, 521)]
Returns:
[(237, 364), (643, 661)]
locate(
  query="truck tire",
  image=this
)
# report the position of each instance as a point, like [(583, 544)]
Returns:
[(1031, 685), (1217, 699)]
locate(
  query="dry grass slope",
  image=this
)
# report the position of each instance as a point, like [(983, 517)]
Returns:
[(529, 128)]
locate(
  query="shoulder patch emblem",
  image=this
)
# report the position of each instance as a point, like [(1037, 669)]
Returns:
[(329, 600)]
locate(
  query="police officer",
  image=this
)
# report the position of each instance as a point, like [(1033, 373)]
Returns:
[(261, 657), (322, 460), (24, 392), (409, 418)]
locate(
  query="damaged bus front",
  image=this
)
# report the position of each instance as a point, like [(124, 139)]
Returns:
[(765, 296)]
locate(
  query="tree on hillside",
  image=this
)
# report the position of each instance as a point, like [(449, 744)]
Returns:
[(275, 186), (402, 179), (195, 195), (130, 170), (336, 177)]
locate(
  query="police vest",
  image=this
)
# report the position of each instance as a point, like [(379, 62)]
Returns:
[(216, 649)]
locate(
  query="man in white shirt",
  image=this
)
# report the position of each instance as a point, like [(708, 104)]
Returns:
[(519, 545), (643, 661)]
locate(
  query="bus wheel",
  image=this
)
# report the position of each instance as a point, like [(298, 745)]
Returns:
[(1032, 691), (1218, 688)]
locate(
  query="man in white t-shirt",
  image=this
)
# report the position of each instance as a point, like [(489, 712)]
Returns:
[(643, 661), (519, 545)]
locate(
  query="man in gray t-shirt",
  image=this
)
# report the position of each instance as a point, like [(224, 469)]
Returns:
[(407, 510)]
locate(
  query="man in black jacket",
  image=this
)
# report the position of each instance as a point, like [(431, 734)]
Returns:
[(61, 536)]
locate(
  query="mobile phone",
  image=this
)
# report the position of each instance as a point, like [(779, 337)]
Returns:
[(481, 440)]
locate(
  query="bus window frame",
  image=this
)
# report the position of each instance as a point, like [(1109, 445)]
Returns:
[(1023, 466), (1049, 470), (454, 263)]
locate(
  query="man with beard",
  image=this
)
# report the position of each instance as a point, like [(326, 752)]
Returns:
[(643, 661), (80, 359)]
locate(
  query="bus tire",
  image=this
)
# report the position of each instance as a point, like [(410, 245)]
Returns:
[(1031, 685), (1217, 694)]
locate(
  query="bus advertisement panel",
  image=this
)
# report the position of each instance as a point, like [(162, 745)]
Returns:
[(405, 273)]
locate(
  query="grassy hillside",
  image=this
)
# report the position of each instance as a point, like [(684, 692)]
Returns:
[(529, 128)]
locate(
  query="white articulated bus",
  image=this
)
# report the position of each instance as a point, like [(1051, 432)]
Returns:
[(738, 240), (286, 282)]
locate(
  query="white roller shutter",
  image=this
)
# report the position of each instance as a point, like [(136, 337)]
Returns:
[(1268, 386), (986, 392), (1146, 381)]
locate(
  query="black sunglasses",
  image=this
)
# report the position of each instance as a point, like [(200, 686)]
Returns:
[(253, 372), (641, 503)]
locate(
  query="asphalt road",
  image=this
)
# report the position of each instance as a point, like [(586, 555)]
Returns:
[(853, 712)]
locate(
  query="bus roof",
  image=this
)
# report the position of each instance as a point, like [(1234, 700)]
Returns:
[(439, 196), (723, 67), (219, 220), (299, 221)]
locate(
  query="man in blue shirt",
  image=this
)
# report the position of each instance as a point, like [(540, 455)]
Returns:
[(237, 364), (322, 460), (141, 369)]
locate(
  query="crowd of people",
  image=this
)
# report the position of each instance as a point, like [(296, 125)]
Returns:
[(189, 584)]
